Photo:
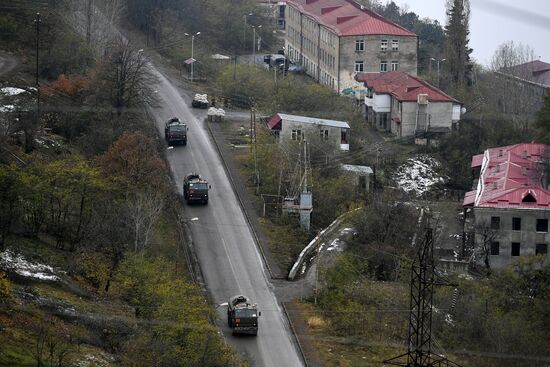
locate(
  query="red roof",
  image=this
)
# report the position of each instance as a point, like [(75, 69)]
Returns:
[(348, 18), (511, 177), (275, 122), (402, 86), (535, 71)]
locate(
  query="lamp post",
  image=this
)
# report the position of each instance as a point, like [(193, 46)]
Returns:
[(254, 44), (438, 62), (245, 16), (192, 51)]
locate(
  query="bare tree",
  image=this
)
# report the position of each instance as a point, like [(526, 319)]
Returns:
[(144, 209), (128, 76), (486, 236), (512, 91)]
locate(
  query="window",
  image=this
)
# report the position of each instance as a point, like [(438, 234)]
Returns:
[(359, 45), (515, 248), (395, 45), (296, 135), (394, 65), (358, 66), (495, 222), (324, 134), (516, 224), (383, 66), (383, 45), (495, 248), (541, 249), (542, 225)]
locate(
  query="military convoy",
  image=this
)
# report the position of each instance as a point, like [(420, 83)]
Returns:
[(195, 188), (175, 131), (242, 315)]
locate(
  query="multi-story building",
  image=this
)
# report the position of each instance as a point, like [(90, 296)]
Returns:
[(406, 105), (335, 39), (511, 205)]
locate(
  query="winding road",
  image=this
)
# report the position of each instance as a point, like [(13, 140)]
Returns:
[(229, 258)]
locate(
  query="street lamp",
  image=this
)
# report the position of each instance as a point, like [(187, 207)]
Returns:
[(254, 44), (438, 62), (245, 26), (192, 51)]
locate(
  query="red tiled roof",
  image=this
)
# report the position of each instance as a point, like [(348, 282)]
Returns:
[(477, 160), (348, 18), (402, 86), (511, 177)]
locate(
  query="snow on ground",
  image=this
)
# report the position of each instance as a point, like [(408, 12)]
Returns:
[(47, 142), (417, 175), (335, 245), (18, 264), (12, 91), (7, 108)]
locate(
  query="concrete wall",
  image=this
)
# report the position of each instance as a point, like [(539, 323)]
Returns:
[(437, 114), (372, 56), (528, 237), (311, 133)]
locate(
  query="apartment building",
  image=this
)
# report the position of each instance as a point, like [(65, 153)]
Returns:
[(511, 204), (336, 39)]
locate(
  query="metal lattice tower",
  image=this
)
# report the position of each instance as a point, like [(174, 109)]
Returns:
[(419, 352)]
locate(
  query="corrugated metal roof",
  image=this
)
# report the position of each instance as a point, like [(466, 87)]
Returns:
[(402, 86), (348, 18), (312, 120), (511, 177)]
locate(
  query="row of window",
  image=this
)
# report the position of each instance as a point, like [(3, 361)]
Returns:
[(541, 225), (540, 248), (360, 45), (298, 134), (360, 66)]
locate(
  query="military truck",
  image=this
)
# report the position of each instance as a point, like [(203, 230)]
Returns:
[(195, 188), (175, 131), (242, 315)]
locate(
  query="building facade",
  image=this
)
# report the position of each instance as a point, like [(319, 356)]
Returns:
[(511, 204), (336, 39), (333, 134), (406, 105)]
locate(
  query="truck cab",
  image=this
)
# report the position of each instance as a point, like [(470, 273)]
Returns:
[(242, 315), (175, 131), (195, 188)]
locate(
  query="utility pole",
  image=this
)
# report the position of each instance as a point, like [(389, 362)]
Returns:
[(255, 152), (419, 353), (438, 61), (254, 44), (37, 21)]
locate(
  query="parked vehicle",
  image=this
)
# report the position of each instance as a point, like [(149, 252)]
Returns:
[(200, 101), (279, 61), (175, 131), (296, 68), (242, 315), (195, 188)]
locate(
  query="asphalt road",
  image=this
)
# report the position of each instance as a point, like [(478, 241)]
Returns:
[(230, 261)]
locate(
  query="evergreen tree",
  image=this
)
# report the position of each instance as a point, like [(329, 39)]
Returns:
[(457, 32)]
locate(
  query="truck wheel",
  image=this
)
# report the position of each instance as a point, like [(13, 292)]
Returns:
[(205, 201), (185, 142)]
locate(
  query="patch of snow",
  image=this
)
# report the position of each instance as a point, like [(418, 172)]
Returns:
[(417, 175), (304, 268), (194, 219), (46, 142), (335, 245), (449, 319), (90, 360), (7, 108), (465, 276), (18, 264), (12, 91)]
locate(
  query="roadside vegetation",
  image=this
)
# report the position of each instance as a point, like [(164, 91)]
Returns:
[(94, 265)]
